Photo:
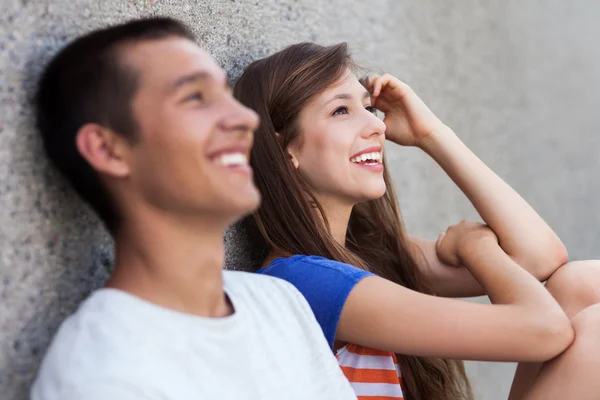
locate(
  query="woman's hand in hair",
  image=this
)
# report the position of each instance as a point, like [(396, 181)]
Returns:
[(407, 118), (452, 245)]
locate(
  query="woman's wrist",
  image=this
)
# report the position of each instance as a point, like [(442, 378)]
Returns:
[(473, 251), (437, 140)]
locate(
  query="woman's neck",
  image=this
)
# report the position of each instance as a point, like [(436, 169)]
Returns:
[(338, 217)]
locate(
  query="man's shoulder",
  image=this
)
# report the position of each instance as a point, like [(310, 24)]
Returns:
[(272, 295), (89, 340), (253, 282)]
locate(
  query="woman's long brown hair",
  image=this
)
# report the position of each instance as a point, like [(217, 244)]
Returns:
[(277, 87)]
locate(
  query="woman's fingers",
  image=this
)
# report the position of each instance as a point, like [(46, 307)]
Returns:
[(376, 84), (367, 82), (380, 83), (386, 90)]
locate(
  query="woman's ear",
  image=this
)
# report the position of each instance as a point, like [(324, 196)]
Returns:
[(293, 159), (291, 155), (279, 138)]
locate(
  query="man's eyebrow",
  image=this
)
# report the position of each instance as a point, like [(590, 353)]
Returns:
[(188, 79)]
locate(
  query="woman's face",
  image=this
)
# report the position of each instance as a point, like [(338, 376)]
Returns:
[(339, 149)]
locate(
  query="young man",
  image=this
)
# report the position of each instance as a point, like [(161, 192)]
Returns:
[(143, 124)]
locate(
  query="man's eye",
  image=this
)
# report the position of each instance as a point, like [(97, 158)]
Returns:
[(197, 96), (371, 109)]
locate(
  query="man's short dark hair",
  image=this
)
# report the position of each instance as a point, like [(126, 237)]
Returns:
[(86, 83)]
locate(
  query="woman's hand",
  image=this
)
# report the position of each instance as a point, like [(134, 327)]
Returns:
[(452, 245), (407, 118)]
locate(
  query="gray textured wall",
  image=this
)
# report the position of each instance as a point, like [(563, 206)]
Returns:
[(517, 80)]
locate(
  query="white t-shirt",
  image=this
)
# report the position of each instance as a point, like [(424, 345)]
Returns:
[(120, 347)]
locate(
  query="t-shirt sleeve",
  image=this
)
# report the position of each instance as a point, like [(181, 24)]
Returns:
[(325, 284)]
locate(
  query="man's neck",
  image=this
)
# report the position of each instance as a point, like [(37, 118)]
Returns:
[(172, 263)]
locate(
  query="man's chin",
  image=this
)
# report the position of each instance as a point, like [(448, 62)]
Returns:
[(243, 204), (251, 204)]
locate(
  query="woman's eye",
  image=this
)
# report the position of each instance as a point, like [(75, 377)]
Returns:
[(340, 111), (371, 109)]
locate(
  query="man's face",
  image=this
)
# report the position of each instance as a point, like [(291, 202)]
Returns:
[(194, 138)]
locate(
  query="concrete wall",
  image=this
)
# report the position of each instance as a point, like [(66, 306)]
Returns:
[(517, 80)]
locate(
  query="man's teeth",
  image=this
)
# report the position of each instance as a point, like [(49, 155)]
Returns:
[(376, 156), (232, 159)]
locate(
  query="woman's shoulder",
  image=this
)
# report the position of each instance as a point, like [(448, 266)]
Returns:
[(306, 261), (323, 282), (301, 266)]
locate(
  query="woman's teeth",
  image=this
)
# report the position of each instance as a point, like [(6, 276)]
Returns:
[(376, 156), (232, 160)]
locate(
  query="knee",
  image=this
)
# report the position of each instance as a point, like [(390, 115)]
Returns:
[(576, 285), (581, 361), (586, 325)]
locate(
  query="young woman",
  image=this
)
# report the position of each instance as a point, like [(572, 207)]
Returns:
[(331, 226)]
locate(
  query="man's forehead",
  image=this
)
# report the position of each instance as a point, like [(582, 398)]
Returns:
[(167, 59)]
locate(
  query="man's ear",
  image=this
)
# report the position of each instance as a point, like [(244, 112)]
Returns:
[(107, 152)]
